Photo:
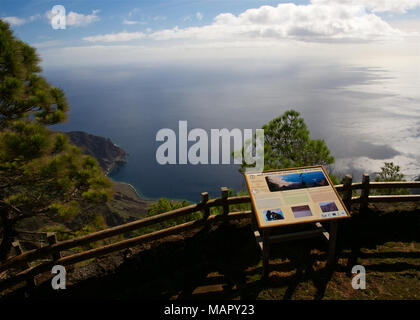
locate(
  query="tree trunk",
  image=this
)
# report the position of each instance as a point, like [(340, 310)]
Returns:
[(8, 234)]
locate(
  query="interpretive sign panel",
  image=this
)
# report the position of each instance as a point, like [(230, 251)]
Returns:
[(297, 195)]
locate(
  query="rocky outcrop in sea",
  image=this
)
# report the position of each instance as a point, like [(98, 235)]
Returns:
[(102, 149)]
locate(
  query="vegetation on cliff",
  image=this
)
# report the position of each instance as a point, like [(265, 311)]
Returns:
[(41, 173), (102, 149)]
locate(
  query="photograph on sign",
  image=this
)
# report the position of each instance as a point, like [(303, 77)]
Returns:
[(296, 195)]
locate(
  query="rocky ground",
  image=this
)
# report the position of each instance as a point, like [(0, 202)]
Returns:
[(225, 263)]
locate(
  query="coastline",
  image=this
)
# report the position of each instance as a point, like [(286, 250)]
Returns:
[(141, 196)]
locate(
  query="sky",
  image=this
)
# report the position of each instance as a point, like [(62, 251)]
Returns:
[(154, 31), (355, 63)]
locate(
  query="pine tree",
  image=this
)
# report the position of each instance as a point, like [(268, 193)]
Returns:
[(390, 172), (41, 173), (287, 144)]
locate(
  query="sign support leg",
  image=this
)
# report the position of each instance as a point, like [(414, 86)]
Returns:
[(332, 243), (266, 252)]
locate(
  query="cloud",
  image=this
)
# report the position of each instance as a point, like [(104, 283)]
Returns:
[(78, 19), (407, 25), (318, 22), (289, 21), (237, 54), (14, 21), (35, 17), (199, 16), (47, 44), (159, 18), (396, 6), (74, 19), (133, 12), (116, 37), (133, 22)]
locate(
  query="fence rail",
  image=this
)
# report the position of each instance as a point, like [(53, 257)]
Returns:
[(54, 249), (382, 185), (366, 186)]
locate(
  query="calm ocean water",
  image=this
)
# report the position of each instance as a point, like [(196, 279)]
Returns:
[(365, 115)]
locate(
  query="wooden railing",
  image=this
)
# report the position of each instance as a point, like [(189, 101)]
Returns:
[(366, 186), (54, 250)]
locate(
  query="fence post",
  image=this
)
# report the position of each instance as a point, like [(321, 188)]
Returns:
[(206, 209), (52, 239), (348, 192), (18, 249), (364, 196), (225, 194)]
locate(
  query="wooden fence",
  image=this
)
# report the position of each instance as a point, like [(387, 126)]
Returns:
[(346, 189), (53, 252)]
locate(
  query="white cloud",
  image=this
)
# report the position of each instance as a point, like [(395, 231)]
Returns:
[(47, 44), (199, 16), (116, 37), (133, 12), (406, 25), (312, 22), (159, 18), (34, 17), (78, 19), (74, 19), (397, 6), (290, 21), (130, 22), (240, 54), (14, 21), (133, 22), (265, 35)]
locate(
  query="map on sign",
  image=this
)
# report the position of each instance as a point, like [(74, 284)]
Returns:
[(291, 196)]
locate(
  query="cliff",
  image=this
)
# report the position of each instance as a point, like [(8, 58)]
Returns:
[(126, 205), (102, 149)]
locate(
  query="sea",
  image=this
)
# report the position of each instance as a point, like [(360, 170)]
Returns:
[(366, 114)]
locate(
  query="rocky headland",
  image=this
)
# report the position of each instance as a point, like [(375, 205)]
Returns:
[(108, 154), (127, 205)]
